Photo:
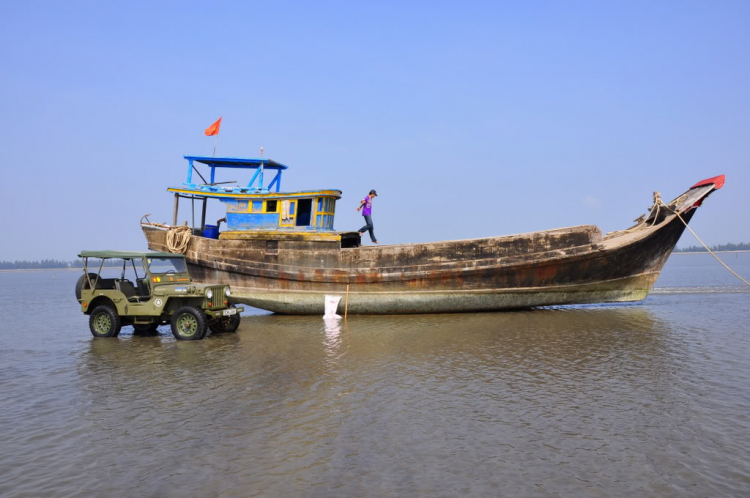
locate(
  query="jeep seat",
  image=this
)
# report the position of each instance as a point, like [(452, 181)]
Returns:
[(127, 288), (142, 285)]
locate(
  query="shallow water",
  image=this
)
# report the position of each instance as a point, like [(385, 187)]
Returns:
[(650, 398)]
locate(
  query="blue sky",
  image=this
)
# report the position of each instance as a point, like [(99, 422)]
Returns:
[(471, 119)]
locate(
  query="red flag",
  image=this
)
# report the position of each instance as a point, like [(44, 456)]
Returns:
[(214, 128)]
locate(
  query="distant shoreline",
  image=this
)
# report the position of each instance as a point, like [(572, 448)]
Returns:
[(706, 252), (11, 270)]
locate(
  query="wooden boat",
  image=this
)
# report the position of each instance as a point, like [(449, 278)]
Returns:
[(280, 253)]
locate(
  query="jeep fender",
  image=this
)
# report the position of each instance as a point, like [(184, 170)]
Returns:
[(99, 300)]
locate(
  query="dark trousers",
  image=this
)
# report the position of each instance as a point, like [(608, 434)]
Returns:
[(369, 227)]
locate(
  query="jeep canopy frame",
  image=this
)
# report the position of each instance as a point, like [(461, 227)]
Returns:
[(123, 255)]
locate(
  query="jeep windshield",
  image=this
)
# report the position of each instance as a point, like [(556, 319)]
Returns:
[(166, 265)]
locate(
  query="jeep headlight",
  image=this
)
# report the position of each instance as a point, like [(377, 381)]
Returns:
[(227, 292), (209, 293)]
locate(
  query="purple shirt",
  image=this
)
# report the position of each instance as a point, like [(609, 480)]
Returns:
[(367, 208)]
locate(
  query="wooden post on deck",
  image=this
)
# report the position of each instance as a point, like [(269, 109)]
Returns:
[(346, 305), (176, 207), (203, 215)]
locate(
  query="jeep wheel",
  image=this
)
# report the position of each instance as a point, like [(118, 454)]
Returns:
[(104, 321), (84, 284), (145, 328), (189, 324), (225, 323)]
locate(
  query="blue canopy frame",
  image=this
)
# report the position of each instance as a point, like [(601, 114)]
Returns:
[(234, 162)]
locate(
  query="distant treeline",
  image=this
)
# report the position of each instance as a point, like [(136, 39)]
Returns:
[(50, 263), (742, 246)]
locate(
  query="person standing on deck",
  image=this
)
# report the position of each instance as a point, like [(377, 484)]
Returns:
[(366, 207)]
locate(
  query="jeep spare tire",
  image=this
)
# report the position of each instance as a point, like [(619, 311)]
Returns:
[(83, 283)]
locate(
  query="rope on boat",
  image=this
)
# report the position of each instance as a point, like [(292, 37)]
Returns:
[(643, 219), (704, 245), (178, 239), (656, 207), (657, 204)]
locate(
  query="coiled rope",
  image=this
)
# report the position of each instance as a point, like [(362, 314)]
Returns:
[(178, 238), (704, 245)]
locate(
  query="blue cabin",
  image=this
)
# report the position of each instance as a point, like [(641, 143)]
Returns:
[(258, 207)]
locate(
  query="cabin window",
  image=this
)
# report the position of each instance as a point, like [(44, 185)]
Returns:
[(257, 206), (324, 213), (271, 206), (325, 205), (304, 211)]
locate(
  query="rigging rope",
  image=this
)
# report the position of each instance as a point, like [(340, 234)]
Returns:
[(704, 245), (178, 238)]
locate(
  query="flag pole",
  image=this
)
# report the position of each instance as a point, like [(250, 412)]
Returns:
[(216, 138), (213, 130)]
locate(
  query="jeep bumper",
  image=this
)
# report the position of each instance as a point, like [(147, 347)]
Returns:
[(225, 312)]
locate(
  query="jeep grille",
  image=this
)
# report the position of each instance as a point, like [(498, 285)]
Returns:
[(217, 301)]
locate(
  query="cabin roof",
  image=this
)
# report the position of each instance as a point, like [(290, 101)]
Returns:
[(236, 162), (127, 254), (244, 193)]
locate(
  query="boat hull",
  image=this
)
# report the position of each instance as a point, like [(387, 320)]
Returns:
[(567, 266), (371, 303)]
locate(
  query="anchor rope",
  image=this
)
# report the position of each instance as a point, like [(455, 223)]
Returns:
[(704, 245), (178, 239)]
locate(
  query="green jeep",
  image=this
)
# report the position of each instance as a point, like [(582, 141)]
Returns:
[(164, 294)]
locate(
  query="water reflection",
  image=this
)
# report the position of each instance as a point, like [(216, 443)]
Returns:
[(332, 326), (275, 365), (332, 341), (529, 340)]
